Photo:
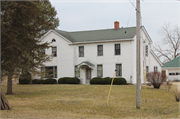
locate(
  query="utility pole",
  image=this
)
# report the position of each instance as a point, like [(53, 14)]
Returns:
[(138, 56)]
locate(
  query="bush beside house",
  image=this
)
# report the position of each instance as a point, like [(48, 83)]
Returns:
[(68, 80), (37, 81), (49, 81), (25, 78), (108, 80)]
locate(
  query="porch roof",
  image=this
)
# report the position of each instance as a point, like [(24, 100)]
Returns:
[(86, 63)]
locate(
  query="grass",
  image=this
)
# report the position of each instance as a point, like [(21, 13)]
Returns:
[(89, 101)]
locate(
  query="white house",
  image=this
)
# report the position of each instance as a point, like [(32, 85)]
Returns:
[(98, 53), (172, 69)]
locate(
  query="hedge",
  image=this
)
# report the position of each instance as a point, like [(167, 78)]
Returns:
[(49, 81), (68, 80), (37, 81), (25, 78), (108, 80)]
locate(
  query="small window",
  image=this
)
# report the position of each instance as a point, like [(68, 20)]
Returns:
[(117, 49), (155, 69), (170, 73), (54, 51), (99, 71), (42, 51), (177, 73), (146, 50), (173, 73), (53, 40), (77, 71), (49, 72), (100, 50), (81, 51), (147, 69), (118, 69)]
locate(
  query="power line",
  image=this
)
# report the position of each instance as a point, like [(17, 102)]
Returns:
[(130, 13), (132, 4)]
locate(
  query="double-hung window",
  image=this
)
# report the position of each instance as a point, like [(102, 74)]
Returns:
[(49, 72), (155, 69), (117, 49), (81, 51), (146, 50), (100, 50), (99, 71), (147, 69), (54, 51), (77, 71), (42, 51), (118, 69)]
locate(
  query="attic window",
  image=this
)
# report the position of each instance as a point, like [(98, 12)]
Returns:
[(53, 40)]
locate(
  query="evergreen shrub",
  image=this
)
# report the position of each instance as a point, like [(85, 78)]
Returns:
[(68, 80), (37, 81), (49, 81), (108, 80), (25, 78)]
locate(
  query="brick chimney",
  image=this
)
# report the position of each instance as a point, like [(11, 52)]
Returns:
[(116, 25)]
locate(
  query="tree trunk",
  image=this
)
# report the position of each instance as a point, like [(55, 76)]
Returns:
[(4, 102), (9, 84)]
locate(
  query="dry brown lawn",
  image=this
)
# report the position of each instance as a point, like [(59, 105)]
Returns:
[(89, 101)]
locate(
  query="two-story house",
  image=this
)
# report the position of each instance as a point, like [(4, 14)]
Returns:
[(99, 53)]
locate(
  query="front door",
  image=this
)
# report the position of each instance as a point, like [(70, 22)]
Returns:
[(88, 75)]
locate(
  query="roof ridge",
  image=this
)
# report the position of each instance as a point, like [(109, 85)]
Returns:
[(96, 29)]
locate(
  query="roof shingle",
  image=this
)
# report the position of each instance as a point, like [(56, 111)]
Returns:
[(173, 63), (99, 35)]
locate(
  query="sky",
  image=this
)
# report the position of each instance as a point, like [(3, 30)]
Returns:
[(81, 15)]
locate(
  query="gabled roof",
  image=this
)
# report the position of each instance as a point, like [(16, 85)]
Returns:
[(87, 63), (99, 35), (156, 58), (175, 63)]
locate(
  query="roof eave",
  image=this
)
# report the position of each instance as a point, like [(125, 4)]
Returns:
[(156, 58), (102, 41)]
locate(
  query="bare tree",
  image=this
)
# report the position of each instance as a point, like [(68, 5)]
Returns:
[(169, 47)]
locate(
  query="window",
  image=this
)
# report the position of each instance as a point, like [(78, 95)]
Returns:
[(155, 69), (53, 40), (81, 51), (170, 73), (42, 51), (117, 49), (49, 72), (54, 51), (77, 71), (177, 73), (99, 71), (100, 50), (146, 50), (147, 69), (118, 69)]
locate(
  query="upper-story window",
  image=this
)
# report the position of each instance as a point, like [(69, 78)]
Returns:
[(118, 69), (53, 40), (100, 50), (155, 69), (146, 50), (54, 51), (117, 49), (81, 51)]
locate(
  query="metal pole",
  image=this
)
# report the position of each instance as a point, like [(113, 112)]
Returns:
[(138, 76)]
